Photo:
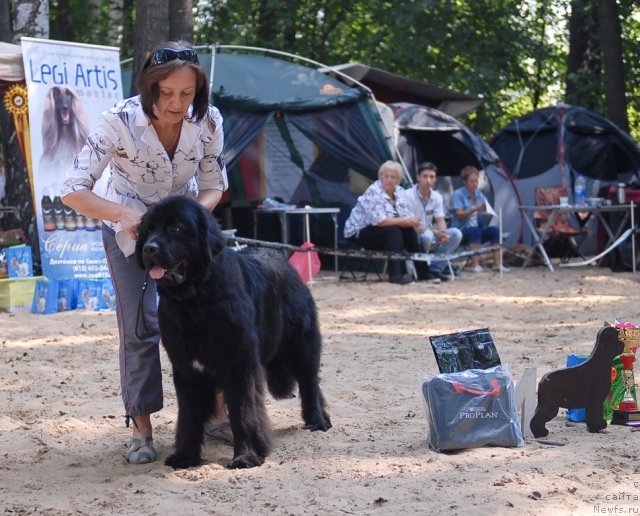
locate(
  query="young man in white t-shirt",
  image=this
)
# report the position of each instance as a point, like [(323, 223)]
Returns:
[(427, 204)]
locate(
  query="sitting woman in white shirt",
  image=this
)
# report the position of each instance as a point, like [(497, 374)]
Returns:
[(382, 220)]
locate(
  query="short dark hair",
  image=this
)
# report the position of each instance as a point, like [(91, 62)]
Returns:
[(467, 172), (427, 165), (150, 75)]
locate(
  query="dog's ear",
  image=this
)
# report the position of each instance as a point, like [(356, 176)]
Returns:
[(143, 229), (211, 241)]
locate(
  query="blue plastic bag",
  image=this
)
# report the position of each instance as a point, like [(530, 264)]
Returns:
[(576, 415)]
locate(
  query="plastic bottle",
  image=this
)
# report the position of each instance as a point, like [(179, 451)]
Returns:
[(580, 191)]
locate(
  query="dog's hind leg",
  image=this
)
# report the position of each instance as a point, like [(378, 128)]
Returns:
[(280, 382), (314, 413), (594, 416), (305, 367)]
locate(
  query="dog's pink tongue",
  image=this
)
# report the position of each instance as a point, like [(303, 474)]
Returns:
[(156, 272)]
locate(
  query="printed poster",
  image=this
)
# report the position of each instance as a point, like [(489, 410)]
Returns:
[(69, 85)]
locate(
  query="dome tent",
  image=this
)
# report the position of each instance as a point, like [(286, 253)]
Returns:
[(550, 146), (293, 132), (426, 134)]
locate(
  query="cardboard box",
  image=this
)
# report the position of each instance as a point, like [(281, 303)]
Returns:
[(16, 294)]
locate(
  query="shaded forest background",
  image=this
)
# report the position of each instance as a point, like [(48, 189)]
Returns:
[(518, 55)]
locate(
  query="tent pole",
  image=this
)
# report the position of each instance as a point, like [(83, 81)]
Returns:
[(500, 240), (212, 48), (308, 240)]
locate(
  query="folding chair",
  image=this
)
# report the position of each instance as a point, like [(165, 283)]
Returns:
[(561, 232), (355, 268)]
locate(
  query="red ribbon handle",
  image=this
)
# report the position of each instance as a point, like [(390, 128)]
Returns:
[(495, 391)]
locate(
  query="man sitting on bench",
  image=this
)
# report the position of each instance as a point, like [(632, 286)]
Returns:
[(428, 205)]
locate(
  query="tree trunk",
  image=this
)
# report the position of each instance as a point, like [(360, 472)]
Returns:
[(612, 63), (30, 18), (150, 30), (116, 22), (584, 67), (65, 30), (541, 18), (128, 30), (181, 20), (5, 21)]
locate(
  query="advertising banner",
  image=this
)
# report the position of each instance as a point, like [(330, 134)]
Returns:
[(69, 85)]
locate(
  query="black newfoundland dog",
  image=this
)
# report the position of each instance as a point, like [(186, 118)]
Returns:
[(229, 320)]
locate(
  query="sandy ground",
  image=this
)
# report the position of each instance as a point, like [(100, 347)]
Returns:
[(62, 437)]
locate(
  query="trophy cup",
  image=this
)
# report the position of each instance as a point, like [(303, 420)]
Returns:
[(627, 412)]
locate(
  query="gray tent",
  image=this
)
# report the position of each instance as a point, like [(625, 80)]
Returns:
[(550, 146), (426, 134)]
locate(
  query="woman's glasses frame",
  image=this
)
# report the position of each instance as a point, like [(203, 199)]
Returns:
[(165, 55)]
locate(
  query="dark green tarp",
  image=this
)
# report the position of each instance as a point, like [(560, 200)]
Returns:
[(279, 114)]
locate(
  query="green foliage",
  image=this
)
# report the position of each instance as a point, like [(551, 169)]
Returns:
[(512, 53), (492, 49), (630, 13)]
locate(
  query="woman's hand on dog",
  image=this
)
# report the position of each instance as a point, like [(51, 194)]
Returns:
[(129, 220)]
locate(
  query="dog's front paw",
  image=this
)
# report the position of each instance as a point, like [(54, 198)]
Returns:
[(247, 460), (181, 461)]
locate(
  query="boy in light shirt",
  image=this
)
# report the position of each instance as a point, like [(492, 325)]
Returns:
[(427, 204)]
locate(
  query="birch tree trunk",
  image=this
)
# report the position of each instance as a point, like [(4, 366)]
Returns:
[(30, 18), (115, 24)]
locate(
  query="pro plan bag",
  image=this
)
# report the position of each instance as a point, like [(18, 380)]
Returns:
[(470, 409)]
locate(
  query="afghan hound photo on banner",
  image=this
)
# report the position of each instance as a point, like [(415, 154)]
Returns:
[(64, 129)]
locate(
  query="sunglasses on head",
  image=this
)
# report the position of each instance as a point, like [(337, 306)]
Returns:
[(164, 55)]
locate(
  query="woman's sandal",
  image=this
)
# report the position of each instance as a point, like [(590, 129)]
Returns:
[(141, 451), (221, 431)]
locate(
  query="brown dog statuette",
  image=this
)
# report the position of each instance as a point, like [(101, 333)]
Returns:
[(584, 385)]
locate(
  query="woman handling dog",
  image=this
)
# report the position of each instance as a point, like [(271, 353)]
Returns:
[(167, 140)]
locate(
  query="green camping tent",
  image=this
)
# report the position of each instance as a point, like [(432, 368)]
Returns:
[(295, 133)]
